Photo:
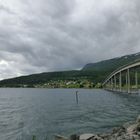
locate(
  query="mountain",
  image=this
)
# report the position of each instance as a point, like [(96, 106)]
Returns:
[(111, 64), (92, 72)]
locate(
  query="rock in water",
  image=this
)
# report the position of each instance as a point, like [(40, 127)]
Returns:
[(58, 137), (138, 119), (86, 136)]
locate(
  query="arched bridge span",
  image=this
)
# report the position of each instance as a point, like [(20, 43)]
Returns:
[(124, 79)]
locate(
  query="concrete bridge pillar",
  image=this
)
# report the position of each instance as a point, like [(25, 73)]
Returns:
[(128, 80), (111, 83), (115, 83), (120, 81), (136, 79)]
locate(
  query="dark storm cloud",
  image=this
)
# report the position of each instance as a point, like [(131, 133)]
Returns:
[(49, 35)]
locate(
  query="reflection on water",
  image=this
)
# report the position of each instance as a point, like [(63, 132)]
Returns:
[(45, 112)]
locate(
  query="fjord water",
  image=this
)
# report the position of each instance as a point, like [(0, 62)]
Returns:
[(45, 112)]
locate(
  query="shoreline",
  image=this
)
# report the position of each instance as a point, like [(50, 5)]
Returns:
[(128, 131)]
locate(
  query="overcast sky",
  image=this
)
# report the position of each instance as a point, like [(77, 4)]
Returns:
[(50, 35)]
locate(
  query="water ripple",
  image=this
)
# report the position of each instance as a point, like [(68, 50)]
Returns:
[(45, 112)]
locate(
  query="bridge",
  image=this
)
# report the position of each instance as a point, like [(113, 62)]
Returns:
[(123, 79)]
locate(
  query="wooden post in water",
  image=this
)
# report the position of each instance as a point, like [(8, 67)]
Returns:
[(34, 137), (77, 97)]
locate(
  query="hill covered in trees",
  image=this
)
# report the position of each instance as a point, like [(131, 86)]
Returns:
[(91, 75)]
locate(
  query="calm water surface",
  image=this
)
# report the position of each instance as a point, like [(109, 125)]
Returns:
[(45, 112)]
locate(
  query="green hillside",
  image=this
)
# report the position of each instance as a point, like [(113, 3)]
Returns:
[(112, 64), (89, 76), (50, 77)]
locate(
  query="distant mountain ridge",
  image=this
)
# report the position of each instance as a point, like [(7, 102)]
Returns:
[(112, 64), (93, 72)]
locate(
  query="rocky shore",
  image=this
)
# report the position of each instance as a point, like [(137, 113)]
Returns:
[(129, 131)]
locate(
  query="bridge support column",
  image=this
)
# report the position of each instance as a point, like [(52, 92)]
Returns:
[(115, 82), (108, 85), (136, 80), (128, 80), (111, 83), (120, 81)]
